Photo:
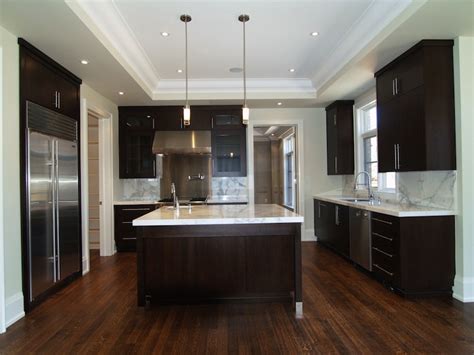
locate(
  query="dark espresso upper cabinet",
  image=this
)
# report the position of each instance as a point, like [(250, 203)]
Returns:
[(46, 83), (136, 133), (340, 137), (415, 109)]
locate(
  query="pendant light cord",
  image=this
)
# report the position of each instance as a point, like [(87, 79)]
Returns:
[(186, 56), (245, 70)]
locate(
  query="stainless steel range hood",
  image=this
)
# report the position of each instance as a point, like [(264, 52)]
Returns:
[(182, 142)]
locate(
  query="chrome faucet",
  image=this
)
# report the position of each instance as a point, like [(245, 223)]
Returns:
[(369, 189), (175, 198)]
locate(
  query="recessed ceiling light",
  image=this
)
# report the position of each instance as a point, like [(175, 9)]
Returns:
[(235, 70), (179, 70), (314, 34), (273, 134), (121, 93), (165, 34), (291, 70), (279, 103), (84, 61)]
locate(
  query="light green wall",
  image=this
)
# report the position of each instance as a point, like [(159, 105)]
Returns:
[(11, 163), (464, 105)]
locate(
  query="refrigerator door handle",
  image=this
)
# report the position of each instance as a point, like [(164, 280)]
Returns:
[(56, 208), (55, 221)]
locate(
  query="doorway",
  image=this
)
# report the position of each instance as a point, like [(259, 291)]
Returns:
[(275, 166), (93, 182)]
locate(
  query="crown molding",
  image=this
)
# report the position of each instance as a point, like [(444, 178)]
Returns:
[(105, 21), (232, 89), (374, 25)]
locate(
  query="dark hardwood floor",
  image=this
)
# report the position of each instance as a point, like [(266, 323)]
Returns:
[(344, 311)]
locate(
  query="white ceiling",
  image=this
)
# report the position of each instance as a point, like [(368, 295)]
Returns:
[(122, 41)]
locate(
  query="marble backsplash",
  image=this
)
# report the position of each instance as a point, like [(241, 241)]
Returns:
[(140, 189), (149, 189), (426, 188), (229, 186)]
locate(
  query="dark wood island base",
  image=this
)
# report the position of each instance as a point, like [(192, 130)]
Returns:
[(220, 263)]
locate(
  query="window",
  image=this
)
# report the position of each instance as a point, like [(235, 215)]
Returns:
[(289, 172), (367, 142)]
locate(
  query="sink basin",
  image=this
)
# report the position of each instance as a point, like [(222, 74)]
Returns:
[(355, 199)]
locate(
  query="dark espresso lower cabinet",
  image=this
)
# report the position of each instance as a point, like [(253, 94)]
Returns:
[(125, 233), (414, 255), (331, 222)]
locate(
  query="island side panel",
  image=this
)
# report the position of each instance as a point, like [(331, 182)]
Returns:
[(298, 272), (218, 262)]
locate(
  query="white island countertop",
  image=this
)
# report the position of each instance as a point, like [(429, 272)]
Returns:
[(392, 209), (218, 214)]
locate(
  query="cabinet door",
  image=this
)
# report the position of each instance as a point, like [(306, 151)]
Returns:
[(321, 220), (345, 140), (408, 74), (200, 119), (68, 97), (331, 141), (137, 159), (229, 152), (341, 231), (385, 87), (227, 119), (411, 154), (36, 81), (387, 134), (169, 118)]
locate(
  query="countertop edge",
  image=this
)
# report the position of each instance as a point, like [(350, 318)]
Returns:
[(385, 209), (210, 222)]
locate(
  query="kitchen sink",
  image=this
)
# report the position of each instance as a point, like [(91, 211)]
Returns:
[(355, 199)]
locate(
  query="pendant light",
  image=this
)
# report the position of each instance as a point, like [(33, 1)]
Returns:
[(186, 109), (245, 109)]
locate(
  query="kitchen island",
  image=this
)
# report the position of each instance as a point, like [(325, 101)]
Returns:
[(223, 253)]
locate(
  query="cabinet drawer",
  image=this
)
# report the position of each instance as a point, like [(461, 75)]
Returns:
[(128, 214), (383, 273), (383, 259), (385, 225), (384, 243)]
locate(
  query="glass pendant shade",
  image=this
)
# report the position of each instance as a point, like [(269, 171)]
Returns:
[(186, 115), (245, 115)]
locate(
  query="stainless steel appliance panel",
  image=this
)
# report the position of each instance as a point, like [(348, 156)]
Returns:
[(360, 237), (68, 222), (184, 170), (41, 231)]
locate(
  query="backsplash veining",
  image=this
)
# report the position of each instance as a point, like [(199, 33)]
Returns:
[(141, 189), (427, 188), (229, 186)]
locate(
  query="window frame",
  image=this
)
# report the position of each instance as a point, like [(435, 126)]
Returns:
[(289, 153), (366, 103)]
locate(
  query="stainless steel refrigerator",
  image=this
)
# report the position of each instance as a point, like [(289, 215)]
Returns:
[(53, 226)]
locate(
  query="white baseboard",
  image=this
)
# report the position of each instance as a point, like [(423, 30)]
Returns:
[(308, 236), (85, 269), (14, 310), (463, 289)]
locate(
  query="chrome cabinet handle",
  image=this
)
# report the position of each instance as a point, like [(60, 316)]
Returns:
[(398, 156), (382, 269), (129, 238), (396, 86), (136, 209), (382, 236), (335, 120), (382, 252), (395, 156), (59, 99), (393, 87), (335, 164), (337, 215), (381, 220)]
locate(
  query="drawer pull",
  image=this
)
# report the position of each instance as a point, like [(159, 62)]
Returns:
[(136, 209), (381, 221), (381, 251), (129, 238), (127, 222), (382, 236), (382, 269)]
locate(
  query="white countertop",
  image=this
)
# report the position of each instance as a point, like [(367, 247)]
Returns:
[(136, 202), (219, 214), (227, 199), (391, 209)]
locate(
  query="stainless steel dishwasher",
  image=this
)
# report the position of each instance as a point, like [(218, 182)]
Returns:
[(360, 237)]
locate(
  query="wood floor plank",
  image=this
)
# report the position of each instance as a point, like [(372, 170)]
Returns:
[(345, 311)]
